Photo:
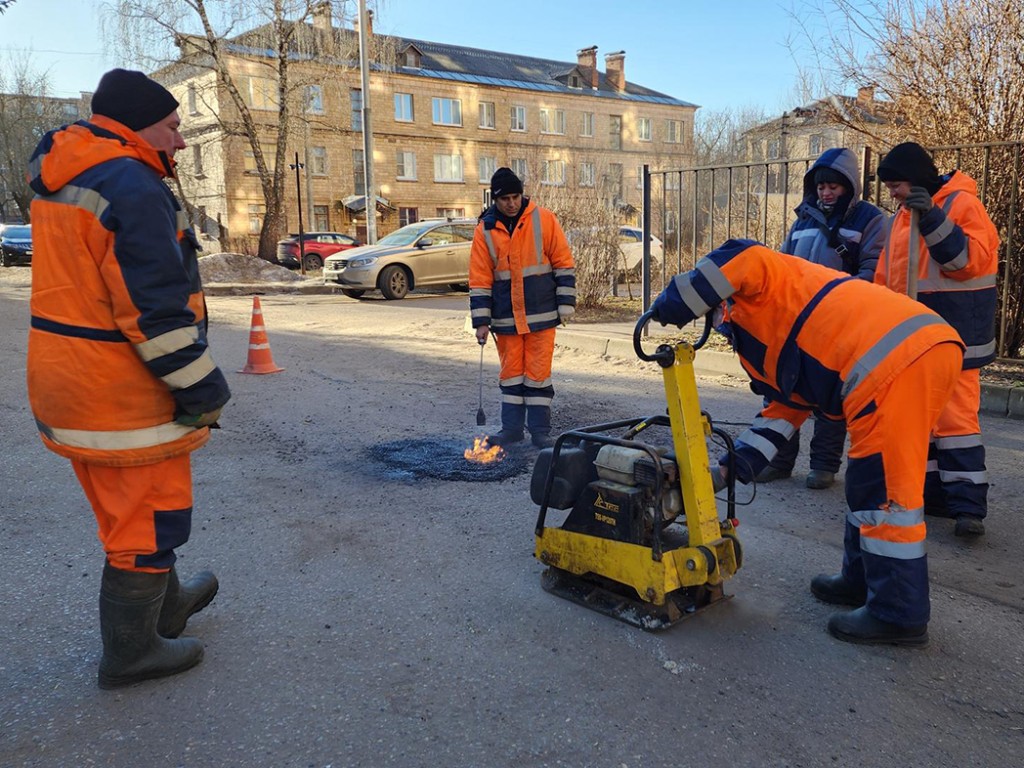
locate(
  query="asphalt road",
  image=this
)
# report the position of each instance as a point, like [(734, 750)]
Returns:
[(369, 619)]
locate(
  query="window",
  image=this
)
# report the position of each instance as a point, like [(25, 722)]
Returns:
[(587, 129), (615, 181), (643, 128), (774, 147), (586, 174), (403, 107), (70, 112), (488, 165), (356, 97), (673, 180), (269, 155), (321, 218), (448, 168), (518, 118), (411, 58), (313, 103), (815, 144), (552, 120), (674, 131), (197, 161), (193, 104), (575, 81), (258, 92), (318, 161), (615, 131), (487, 114), (639, 176), (405, 165), (408, 216), (670, 221), (552, 172), (256, 213), (447, 111), (451, 213), (358, 172), (519, 168)]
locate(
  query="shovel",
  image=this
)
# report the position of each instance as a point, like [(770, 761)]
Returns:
[(481, 419)]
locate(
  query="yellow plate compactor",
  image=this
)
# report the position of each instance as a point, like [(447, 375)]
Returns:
[(642, 540)]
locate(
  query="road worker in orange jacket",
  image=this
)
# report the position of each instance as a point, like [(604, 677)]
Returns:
[(120, 376), (957, 251), (522, 284), (888, 372)]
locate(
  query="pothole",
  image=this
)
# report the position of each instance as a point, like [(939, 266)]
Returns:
[(443, 459)]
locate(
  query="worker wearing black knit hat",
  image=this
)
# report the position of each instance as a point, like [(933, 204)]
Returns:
[(834, 227), (132, 98), (129, 337), (522, 283), (942, 220)]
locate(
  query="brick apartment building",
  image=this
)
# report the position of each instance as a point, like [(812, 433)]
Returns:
[(443, 118)]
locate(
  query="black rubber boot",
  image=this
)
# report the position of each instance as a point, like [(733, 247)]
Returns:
[(183, 600), (819, 479), (969, 526), (859, 626), (513, 419), (836, 590), (130, 604), (770, 473), (538, 421), (506, 437)]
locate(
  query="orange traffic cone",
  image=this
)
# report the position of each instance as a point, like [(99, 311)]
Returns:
[(260, 360)]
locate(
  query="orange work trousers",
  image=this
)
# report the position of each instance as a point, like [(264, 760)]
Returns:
[(526, 355), (143, 513)]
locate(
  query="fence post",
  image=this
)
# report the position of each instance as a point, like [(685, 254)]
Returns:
[(646, 227)]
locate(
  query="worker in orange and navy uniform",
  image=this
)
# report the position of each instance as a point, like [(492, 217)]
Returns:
[(120, 376), (888, 373), (522, 284), (957, 250)]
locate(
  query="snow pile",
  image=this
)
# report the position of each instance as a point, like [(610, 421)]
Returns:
[(239, 268)]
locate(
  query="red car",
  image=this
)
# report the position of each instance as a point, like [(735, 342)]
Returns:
[(317, 246)]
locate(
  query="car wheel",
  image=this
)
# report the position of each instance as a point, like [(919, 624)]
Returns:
[(313, 262), (394, 283), (459, 287), (6, 260), (352, 293)]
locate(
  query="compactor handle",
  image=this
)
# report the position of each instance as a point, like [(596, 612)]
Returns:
[(664, 352)]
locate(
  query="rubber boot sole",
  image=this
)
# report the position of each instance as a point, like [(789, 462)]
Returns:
[(193, 649)]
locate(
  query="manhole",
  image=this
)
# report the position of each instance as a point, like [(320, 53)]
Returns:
[(443, 459)]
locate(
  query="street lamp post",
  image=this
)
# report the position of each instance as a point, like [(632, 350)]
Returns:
[(297, 166)]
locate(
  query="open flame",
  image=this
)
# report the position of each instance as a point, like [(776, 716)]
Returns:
[(482, 453)]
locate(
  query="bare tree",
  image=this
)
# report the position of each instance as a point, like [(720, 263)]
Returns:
[(262, 99), (952, 74), (5, 4), (27, 112)]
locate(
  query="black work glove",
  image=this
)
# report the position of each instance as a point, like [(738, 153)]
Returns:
[(918, 200)]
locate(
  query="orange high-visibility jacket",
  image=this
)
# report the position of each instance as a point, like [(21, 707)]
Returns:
[(517, 281), (958, 260), (117, 345), (809, 337)]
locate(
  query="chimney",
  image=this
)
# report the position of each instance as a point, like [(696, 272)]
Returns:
[(322, 16), (369, 25), (615, 70), (586, 59), (866, 96)]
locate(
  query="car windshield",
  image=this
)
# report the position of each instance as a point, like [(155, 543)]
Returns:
[(406, 235), (17, 233)]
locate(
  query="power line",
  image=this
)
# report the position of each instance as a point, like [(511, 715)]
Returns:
[(46, 50)]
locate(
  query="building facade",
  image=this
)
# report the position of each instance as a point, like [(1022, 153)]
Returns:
[(443, 118)]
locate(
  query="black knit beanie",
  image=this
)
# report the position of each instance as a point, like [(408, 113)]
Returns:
[(505, 182), (132, 99), (825, 175), (910, 162)]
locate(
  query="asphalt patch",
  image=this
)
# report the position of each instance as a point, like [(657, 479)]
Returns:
[(442, 459)]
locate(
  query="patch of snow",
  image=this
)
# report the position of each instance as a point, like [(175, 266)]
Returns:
[(239, 268)]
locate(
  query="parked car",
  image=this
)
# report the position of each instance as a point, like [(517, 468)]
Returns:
[(16, 244), (631, 244), (425, 254), (317, 246)]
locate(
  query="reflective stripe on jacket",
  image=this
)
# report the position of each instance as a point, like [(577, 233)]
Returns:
[(518, 281), (959, 258), (117, 344), (790, 322)]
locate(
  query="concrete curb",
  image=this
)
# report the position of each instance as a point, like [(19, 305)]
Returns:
[(262, 289)]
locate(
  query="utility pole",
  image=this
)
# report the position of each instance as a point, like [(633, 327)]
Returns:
[(297, 166), (370, 193)]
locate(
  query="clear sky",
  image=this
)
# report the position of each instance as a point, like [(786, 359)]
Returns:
[(714, 53)]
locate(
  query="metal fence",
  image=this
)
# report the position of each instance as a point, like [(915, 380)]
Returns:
[(693, 210)]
